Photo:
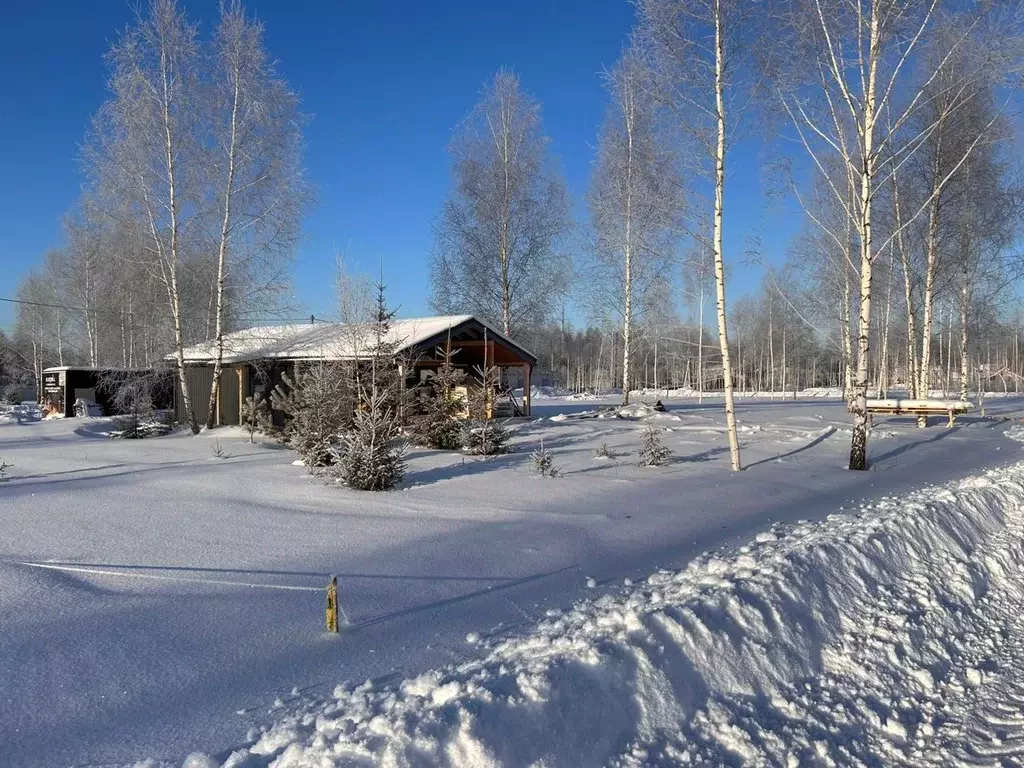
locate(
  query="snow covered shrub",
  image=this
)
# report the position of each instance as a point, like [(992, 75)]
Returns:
[(439, 407), (485, 437), (4, 466), (652, 452), (604, 452), (544, 462), (218, 450), (372, 458), (318, 404)]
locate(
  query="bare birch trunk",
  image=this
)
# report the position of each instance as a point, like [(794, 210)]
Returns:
[(965, 301), (883, 369), (847, 343), (174, 294), (924, 387), (771, 349), (723, 335), (859, 441), (700, 339), (222, 250)]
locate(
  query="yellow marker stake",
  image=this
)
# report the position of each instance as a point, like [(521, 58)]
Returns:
[(332, 605)]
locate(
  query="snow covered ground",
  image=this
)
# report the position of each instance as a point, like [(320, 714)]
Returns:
[(181, 609), (892, 636)]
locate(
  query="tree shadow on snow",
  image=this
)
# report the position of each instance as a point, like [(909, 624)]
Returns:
[(469, 466), (270, 572), (816, 441), (899, 450)]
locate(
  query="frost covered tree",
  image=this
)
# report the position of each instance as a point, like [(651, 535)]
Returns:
[(496, 251), (635, 202), (372, 457), (257, 191), (146, 144), (195, 159)]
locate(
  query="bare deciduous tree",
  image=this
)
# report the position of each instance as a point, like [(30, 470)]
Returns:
[(496, 251), (255, 172), (634, 200), (857, 98), (146, 142), (699, 48)]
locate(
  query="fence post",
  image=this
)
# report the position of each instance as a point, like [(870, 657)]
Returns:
[(332, 605)]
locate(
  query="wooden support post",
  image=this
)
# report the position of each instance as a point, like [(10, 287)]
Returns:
[(243, 387), (526, 389), (332, 605), (217, 415)]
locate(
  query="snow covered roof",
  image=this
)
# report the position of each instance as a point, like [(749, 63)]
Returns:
[(104, 369), (330, 341)]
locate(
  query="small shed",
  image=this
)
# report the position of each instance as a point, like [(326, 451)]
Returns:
[(255, 358), (64, 384)]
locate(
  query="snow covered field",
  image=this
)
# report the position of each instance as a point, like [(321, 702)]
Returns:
[(185, 611)]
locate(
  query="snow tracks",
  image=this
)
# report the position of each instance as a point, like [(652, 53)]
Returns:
[(888, 636)]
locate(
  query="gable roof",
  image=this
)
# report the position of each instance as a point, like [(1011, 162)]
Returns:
[(332, 341)]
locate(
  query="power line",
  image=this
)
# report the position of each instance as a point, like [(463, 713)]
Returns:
[(243, 316), (40, 304)]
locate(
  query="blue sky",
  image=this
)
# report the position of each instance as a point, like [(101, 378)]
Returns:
[(385, 84)]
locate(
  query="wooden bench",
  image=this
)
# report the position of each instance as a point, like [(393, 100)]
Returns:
[(949, 408)]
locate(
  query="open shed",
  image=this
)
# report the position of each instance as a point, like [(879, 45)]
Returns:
[(255, 359), (64, 384)]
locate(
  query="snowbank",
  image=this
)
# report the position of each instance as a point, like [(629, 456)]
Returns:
[(866, 638)]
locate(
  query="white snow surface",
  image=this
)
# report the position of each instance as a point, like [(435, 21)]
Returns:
[(892, 636), (157, 604)]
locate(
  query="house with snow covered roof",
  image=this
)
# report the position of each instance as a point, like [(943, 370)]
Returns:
[(256, 358)]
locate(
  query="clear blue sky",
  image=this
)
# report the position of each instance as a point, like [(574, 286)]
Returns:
[(385, 84)]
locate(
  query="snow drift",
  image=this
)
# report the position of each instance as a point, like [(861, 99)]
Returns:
[(873, 637)]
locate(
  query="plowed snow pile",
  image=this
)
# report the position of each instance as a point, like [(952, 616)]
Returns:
[(889, 637)]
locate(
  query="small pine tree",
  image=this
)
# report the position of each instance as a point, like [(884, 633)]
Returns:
[(256, 415), (544, 462), (485, 437), (604, 452), (4, 466), (437, 423), (372, 459), (318, 405), (653, 453)]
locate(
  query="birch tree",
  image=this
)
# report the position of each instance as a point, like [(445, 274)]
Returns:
[(855, 96), (145, 146), (255, 171), (699, 47), (497, 240), (634, 201)]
